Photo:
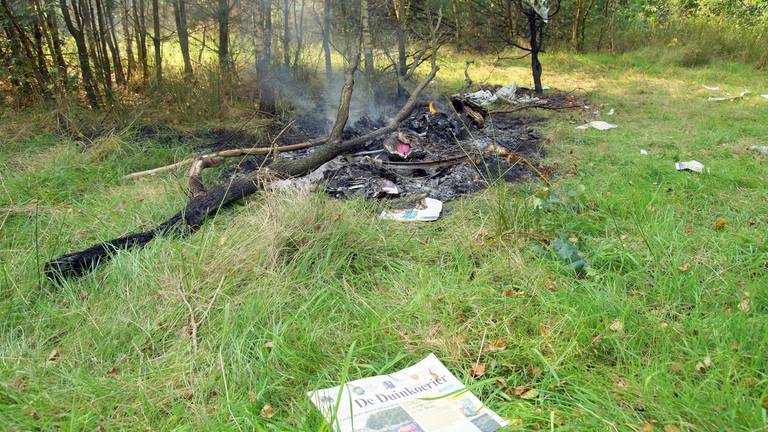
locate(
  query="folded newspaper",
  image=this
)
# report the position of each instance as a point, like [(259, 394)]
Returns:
[(425, 397)]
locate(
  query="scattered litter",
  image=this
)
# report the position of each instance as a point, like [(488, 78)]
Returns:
[(712, 88), (644, 152), (611, 112), (425, 397), (309, 182), (482, 97), (765, 96), (726, 98), (761, 149), (507, 92), (693, 165), (428, 209), (598, 124)]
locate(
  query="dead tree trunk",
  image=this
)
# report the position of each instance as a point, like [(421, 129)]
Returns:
[(366, 36), (299, 23), (286, 33), (114, 45), (139, 22), (401, 53), (208, 202), (264, 65)]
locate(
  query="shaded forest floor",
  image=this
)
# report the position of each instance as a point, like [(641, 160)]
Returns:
[(667, 329)]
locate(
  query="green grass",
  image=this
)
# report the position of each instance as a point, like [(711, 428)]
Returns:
[(286, 286)]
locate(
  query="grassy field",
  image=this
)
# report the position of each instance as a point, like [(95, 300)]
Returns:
[(666, 331)]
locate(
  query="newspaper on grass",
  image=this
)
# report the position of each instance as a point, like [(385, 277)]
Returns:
[(425, 397), (426, 210)]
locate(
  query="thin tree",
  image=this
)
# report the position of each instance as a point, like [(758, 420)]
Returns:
[(222, 15), (76, 29), (180, 16), (156, 41), (327, 37), (131, 60)]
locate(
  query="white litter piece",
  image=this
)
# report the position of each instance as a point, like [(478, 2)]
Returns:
[(712, 88), (761, 149), (611, 112), (765, 96), (428, 210), (598, 124), (507, 92), (482, 97), (693, 165), (727, 98), (644, 152)]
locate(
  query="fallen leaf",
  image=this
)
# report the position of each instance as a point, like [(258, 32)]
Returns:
[(113, 372), (530, 394), (646, 427), (267, 412), (684, 268), (664, 325), (616, 326), (623, 237), (704, 364), (720, 224), (54, 355), (500, 343), (744, 305), (550, 286), (671, 428), (517, 391), (478, 370), (269, 345), (509, 293)]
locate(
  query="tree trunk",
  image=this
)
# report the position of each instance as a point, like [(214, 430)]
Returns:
[(266, 90), (114, 46), (576, 23), (286, 33), (128, 39), (533, 27), (53, 28), (457, 39), (78, 34), (366, 34), (223, 18), (401, 53), (299, 22), (327, 37), (180, 15), (139, 22), (98, 29), (156, 40)]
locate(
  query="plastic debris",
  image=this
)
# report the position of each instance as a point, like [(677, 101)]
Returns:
[(761, 149), (598, 124), (712, 88), (401, 143), (611, 112), (765, 96), (507, 92), (693, 165), (727, 98), (644, 152), (482, 97), (427, 210)]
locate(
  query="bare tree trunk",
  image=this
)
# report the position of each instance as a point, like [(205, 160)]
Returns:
[(78, 34), (223, 18), (457, 22), (287, 33), (533, 27), (156, 40), (180, 15), (96, 20), (266, 90), (576, 23), (114, 45), (401, 53), (327, 37), (299, 22), (366, 34), (139, 22), (53, 28), (614, 6), (124, 16)]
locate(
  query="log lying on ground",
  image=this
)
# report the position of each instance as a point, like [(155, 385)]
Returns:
[(205, 203)]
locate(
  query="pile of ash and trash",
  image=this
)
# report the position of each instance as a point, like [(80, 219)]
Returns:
[(444, 149)]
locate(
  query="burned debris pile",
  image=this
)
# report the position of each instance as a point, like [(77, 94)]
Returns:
[(441, 150)]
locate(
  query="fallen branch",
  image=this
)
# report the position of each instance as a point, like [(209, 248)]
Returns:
[(208, 202)]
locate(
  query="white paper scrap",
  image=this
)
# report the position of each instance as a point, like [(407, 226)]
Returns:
[(611, 112), (598, 124), (644, 152), (761, 149), (428, 210), (712, 88), (425, 397), (693, 165), (765, 96)]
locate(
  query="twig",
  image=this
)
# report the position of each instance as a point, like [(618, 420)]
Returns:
[(192, 320)]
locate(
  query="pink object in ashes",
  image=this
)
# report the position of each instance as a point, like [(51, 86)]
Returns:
[(403, 148)]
